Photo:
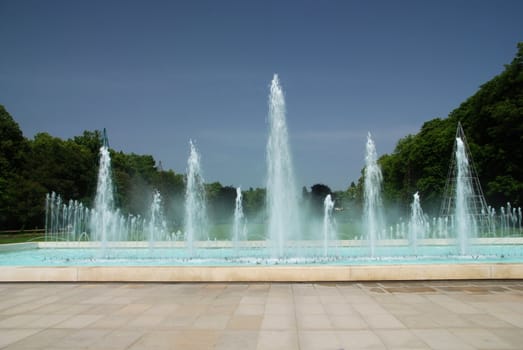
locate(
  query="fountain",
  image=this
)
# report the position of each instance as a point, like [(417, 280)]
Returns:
[(157, 228), (466, 225), (239, 232), (142, 248), (195, 208), (329, 225), (417, 223), (102, 218), (282, 196), (372, 195), (464, 204), (65, 222)]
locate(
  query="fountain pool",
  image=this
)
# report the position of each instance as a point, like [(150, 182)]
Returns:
[(222, 261), (85, 265), (102, 244), (258, 254)]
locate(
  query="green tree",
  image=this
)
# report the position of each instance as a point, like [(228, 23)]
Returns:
[(13, 157), (493, 122), (317, 198), (134, 177), (349, 202), (221, 202), (254, 204), (172, 188)]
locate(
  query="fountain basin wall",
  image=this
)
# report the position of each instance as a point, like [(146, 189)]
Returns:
[(376, 270), (260, 273)]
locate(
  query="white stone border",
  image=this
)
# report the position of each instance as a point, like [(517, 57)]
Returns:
[(337, 273), (258, 244), (261, 273)]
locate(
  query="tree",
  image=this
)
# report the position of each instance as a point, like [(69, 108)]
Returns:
[(221, 202), (172, 188), (133, 178), (254, 204), (13, 155), (13, 145), (493, 122), (317, 198)]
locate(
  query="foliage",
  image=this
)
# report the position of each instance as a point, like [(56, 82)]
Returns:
[(220, 202), (317, 198), (254, 204), (492, 119), (14, 187), (29, 169), (493, 123), (349, 203)]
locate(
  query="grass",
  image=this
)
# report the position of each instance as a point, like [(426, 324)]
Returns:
[(21, 237), (216, 232), (346, 231), (224, 232), (258, 231)]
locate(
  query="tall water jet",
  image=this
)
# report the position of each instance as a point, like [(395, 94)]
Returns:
[(157, 227), (463, 201), (329, 227), (282, 198), (238, 227), (195, 208), (103, 215), (417, 222), (465, 222), (372, 195)]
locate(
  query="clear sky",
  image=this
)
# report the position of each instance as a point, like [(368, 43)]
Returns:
[(157, 73)]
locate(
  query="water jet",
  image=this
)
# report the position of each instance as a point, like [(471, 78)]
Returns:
[(136, 248)]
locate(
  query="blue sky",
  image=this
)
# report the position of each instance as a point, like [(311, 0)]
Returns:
[(157, 73)]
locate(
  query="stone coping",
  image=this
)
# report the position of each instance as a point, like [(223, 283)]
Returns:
[(14, 247), (257, 244), (338, 273), (405, 272)]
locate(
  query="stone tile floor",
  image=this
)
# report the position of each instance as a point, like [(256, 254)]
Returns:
[(411, 315)]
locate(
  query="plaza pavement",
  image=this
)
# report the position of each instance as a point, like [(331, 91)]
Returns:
[(412, 315)]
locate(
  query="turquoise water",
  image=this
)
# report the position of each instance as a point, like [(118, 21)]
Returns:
[(258, 256)]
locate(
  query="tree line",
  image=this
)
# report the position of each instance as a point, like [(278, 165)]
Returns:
[(31, 168), (492, 119), (493, 123)]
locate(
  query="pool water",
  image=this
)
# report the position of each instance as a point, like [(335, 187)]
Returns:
[(252, 256)]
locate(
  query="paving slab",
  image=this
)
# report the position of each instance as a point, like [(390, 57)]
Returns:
[(374, 315)]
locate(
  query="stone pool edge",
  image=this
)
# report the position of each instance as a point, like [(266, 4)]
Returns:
[(346, 273), (281, 273)]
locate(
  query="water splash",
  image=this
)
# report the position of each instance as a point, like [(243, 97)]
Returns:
[(239, 231), (65, 221), (282, 198), (372, 210), (157, 228), (417, 222), (195, 207), (70, 220), (466, 225), (103, 217), (329, 225)]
